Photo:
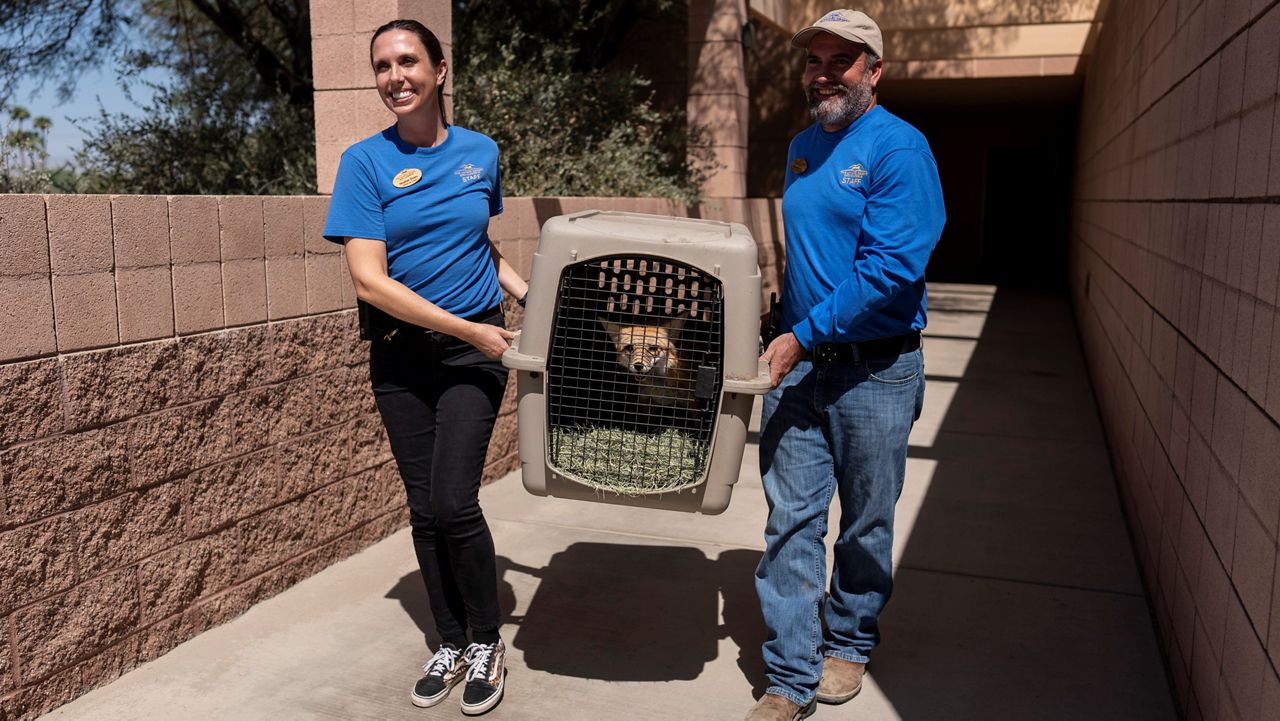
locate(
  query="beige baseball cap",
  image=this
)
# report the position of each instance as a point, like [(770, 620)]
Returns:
[(852, 25)]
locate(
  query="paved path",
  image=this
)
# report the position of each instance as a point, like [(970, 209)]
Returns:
[(1017, 595)]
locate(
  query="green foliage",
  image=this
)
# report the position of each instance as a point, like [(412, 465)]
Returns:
[(576, 133), (58, 38), (233, 114), (539, 77), (209, 134), (24, 155)]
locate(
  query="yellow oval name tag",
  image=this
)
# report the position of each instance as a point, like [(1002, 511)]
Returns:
[(406, 177), (799, 165)]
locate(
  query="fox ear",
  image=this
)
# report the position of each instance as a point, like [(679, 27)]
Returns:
[(676, 324), (613, 329)]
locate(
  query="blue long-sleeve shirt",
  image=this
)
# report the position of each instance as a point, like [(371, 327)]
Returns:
[(862, 213)]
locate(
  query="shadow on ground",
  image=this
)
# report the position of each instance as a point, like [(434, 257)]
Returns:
[(598, 614)]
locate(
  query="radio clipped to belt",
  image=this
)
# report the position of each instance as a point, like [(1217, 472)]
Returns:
[(375, 323)]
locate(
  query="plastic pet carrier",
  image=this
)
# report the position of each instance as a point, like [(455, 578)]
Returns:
[(638, 363)]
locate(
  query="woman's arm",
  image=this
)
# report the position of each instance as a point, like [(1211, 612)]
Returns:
[(508, 278), (367, 261)]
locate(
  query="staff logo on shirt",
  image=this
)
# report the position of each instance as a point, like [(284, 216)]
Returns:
[(469, 172), (406, 177), (853, 174)]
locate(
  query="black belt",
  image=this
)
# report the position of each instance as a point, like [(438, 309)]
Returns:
[(863, 350), (376, 324)]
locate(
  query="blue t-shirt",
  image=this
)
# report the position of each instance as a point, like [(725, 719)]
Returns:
[(862, 213), (436, 227)]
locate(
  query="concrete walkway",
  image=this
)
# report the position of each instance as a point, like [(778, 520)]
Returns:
[(1017, 595)]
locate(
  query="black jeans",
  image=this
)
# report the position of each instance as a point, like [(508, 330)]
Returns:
[(438, 397)]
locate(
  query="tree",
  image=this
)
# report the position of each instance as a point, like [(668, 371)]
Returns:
[(541, 77), (24, 155), (63, 37), (43, 125), (233, 115)]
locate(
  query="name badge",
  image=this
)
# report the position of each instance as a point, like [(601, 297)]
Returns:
[(406, 177)]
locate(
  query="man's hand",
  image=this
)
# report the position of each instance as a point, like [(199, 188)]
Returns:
[(490, 339), (782, 355)]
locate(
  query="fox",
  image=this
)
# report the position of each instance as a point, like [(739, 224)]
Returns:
[(649, 353)]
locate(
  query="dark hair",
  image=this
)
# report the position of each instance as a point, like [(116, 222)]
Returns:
[(429, 41)]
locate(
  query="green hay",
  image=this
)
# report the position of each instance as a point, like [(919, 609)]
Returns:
[(628, 462)]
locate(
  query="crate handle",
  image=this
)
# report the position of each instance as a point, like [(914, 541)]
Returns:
[(754, 386), (514, 359)]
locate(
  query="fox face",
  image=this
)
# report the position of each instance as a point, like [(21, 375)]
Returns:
[(650, 353), (646, 350)]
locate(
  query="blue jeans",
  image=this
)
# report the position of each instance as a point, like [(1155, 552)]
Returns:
[(828, 429)]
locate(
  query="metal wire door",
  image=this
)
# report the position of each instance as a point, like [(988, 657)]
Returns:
[(634, 373)]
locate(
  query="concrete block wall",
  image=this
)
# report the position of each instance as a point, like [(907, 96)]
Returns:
[(348, 108), (1175, 267), (778, 109), (718, 98), (185, 427)]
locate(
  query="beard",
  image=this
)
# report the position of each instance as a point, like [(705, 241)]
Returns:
[(841, 109)]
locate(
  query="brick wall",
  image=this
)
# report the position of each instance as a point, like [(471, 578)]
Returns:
[(778, 110), (718, 99), (185, 424), (1174, 271)]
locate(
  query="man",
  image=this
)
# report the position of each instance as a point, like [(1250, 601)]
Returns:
[(863, 210)]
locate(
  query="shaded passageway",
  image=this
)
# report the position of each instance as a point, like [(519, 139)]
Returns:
[(1017, 595)]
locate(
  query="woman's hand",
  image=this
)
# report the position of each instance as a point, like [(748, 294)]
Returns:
[(489, 339)]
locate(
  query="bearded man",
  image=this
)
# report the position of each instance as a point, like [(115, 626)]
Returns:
[(863, 210)]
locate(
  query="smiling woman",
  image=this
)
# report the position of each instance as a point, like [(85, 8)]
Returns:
[(412, 205), (408, 66)]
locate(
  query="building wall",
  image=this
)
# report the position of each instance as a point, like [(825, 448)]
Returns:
[(718, 100), (1174, 271), (348, 108), (186, 426), (777, 110), (973, 38)]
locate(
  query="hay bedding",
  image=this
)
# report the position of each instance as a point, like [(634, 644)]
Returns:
[(628, 462)]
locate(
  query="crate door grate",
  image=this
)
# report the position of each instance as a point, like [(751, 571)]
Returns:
[(634, 374)]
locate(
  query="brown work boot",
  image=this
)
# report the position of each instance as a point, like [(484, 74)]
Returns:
[(841, 680), (777, 708)]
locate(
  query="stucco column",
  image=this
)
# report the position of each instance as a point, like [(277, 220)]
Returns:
[(718, 93), (347, 104)]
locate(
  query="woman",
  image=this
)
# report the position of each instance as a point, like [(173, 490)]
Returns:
[(412, 204)]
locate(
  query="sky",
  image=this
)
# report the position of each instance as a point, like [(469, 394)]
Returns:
[(93, 86)]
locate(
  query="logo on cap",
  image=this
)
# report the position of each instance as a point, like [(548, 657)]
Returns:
[(834, 17)]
